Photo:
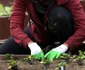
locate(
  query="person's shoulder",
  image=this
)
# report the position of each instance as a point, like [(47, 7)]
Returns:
[(62, 2)]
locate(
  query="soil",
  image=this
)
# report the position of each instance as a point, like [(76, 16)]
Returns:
[(39, 66)]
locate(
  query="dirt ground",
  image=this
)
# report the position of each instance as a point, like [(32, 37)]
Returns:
[(38, 66)]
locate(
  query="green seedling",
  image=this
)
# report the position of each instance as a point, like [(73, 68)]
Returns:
[(12, 65), (29, 59), (46, 62), (9, 56), (25, 59), (63, 63), (79, 58), (65, 56)]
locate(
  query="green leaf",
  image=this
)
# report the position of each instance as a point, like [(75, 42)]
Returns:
[(12, 63)]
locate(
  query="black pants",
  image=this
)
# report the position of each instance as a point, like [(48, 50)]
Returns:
[(62, 30)]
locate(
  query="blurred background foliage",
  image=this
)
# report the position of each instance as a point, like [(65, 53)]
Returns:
[(5, 10)]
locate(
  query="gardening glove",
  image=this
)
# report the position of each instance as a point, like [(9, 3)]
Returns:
[(56, 52), (36, 51)]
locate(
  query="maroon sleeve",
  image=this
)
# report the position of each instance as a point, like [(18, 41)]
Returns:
[(79, 23), (17, 22)]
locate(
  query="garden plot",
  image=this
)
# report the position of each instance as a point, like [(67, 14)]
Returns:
[(25, 62)]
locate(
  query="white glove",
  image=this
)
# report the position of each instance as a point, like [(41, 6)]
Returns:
[(62, 48), (35, 49)]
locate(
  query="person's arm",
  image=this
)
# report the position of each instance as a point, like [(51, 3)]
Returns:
[(17, 23), (78, 37), (78, 14), (17, 27)]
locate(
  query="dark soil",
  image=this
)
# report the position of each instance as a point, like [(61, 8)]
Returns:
[(38, 66)]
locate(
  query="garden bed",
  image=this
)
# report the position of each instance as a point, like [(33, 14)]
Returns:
[(38, 66), (21, 62)]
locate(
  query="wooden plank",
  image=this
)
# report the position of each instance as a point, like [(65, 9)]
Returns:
[(20, 56)]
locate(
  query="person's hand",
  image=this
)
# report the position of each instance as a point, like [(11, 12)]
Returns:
[(36, 51), (56, 52)]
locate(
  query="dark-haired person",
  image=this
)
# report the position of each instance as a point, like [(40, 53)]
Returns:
[(50, 21)]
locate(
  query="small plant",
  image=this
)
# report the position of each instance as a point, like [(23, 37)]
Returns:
[(25, 59), (79, 58), (9, 56), (46, 62), (63, 63), (29, 59), (12, 65), (65, 56)]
